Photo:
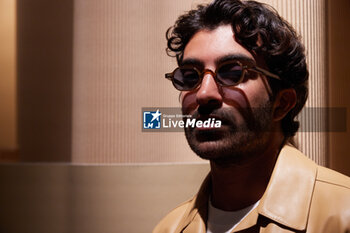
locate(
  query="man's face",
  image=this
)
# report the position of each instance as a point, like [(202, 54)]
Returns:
[(245, 110)]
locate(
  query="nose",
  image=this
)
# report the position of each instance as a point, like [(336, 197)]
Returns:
[(209, 94)]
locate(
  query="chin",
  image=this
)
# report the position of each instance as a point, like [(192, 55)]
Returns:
[(227, 147), (206, 144), (213, 149), (209, 150)]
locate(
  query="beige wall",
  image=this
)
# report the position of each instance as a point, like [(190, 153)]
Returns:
[(107, 60), (8, 113), (339, 79), (119, 65)]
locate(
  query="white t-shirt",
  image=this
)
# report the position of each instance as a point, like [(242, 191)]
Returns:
[(220, 221)]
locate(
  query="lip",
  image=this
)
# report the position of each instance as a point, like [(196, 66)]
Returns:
[(206, 117), (206, 128), (208, 134), (215, 117)]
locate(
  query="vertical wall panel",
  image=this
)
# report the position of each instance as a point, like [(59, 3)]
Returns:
[(119, 64), (44, 79), (309, 19), (8, 112), (339, 76)]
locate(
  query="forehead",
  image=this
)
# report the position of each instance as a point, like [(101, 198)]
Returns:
[(209, 46)]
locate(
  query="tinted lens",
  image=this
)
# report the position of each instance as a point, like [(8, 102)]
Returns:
[(230, 73), (185, 78)]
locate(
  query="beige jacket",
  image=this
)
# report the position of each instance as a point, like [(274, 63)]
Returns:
[(300, 197)]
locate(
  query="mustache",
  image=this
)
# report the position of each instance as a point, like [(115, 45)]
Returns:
[(252, 116), (224, 115)]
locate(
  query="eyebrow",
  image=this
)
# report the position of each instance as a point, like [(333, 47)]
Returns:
[(192, 61), (228, 57)]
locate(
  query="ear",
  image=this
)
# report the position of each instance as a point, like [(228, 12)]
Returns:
[(285, 101)]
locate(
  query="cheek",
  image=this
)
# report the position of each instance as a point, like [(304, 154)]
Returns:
[(249, 94), (188, 102), (246, 95), (235, 97)]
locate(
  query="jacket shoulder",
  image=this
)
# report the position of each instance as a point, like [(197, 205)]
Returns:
[(332, 177), (323, 174), (170, 222), (329, 211)]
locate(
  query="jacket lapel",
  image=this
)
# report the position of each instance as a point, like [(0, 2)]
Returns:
[(196, 214)]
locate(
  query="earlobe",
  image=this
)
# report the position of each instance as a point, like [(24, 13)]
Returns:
[(284, 102)]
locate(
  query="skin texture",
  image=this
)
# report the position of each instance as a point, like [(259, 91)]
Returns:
[(243, 151)]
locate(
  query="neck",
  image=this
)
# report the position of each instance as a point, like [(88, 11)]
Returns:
[(236, 186)]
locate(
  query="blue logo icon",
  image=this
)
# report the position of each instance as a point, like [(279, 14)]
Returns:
[(151, 120)]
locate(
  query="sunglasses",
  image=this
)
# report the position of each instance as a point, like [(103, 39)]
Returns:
[(229, 73)]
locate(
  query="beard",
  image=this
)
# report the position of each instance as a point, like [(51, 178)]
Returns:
[(236, 140)]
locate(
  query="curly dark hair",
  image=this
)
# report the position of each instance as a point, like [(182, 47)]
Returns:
[(259, 28)]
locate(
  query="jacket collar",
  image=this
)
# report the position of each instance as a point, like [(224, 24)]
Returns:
[(286, 200)]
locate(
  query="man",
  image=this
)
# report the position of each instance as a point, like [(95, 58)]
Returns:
[(240, 63)]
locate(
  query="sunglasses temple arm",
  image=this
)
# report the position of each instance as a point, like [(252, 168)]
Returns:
[(168, 76), (267, 73)]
